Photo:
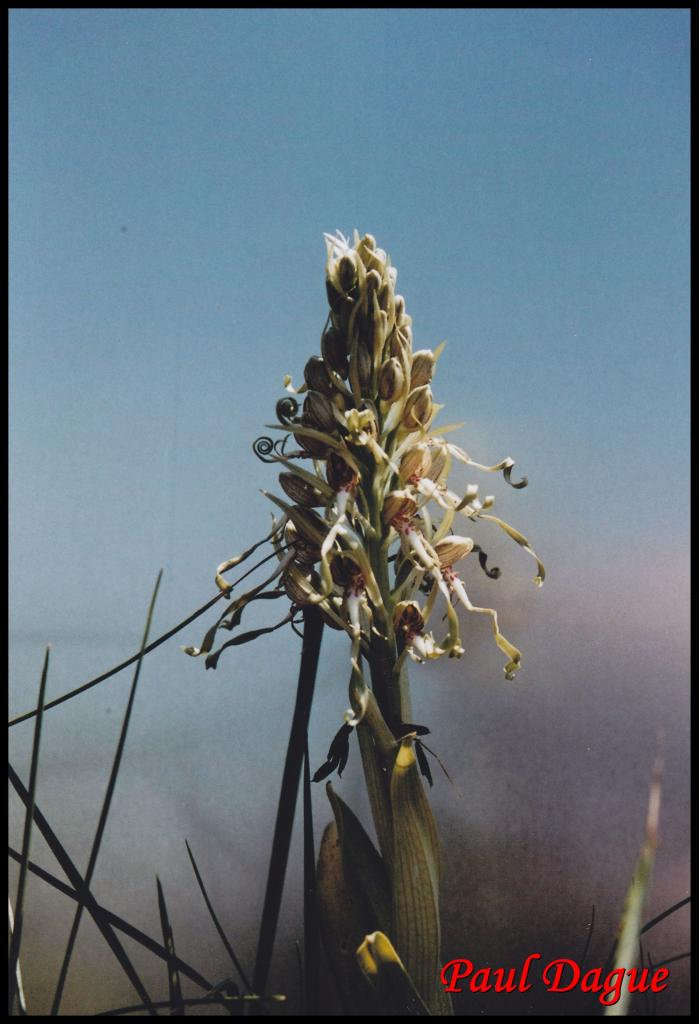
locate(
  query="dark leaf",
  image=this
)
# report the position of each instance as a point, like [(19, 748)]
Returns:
[(423, 763), (106, 805), (173, 977), (507, 472), (494, 573), (337, 754), (217, 925)]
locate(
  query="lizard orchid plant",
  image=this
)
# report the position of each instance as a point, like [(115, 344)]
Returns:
[(370, 533)]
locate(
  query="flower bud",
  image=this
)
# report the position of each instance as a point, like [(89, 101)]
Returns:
[(334, 349), (398, 503), (306, 554), (422, 368), (438, 454), (363, 328), (306, 532), (340, 315), (380, 322), (418, 409), (415, 463), (406, 331), (300, 491), (300, 583), (318, 449), (341, 476), (385, 298), (315, 373), (452, 549), (334, 296), (397, 346), (363, 364), (408, 620), (373, 281), (365, 249), (344, 570), (318, 412), (391, 380), (347, 271)]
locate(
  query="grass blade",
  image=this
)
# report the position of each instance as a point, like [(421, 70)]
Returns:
[(588, 940), (626, 951), (106, 805), (173, 978), (21, 1002), (666, 913), (312, 635), (139, 654), (120, 667), (15, 942), (673, 959), (217, 925), (80, 890), (112, 920), (311, 938), (202, 1001)]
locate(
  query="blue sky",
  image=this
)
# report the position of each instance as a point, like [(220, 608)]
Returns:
[(171, 175)]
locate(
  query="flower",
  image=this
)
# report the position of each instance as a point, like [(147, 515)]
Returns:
[(368, 487)]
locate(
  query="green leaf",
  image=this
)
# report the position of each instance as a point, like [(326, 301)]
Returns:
[(627, 947), (342, 925), (378, 749), (416, 871), (363, 867)]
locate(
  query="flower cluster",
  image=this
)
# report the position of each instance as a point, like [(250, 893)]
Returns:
[(367, 518)]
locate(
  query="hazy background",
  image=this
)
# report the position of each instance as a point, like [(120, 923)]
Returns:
[(171, 175)]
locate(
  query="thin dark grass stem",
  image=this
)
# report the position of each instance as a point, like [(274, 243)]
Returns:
[(81, 891), (16, 940), (112, 920), (312, 635), (642, 961), (673, 959), (588, 940), (173, 977), (666, 913), (106, 805), (134, 657), (202, 1001), (217, 924), (311, 935), (654, 995), (650, 924)]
